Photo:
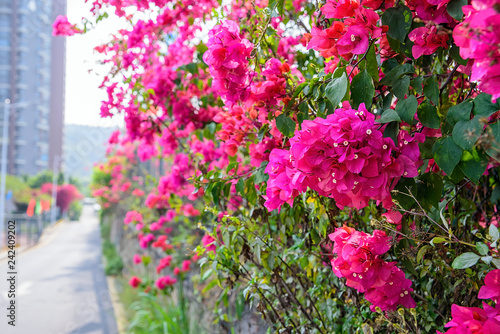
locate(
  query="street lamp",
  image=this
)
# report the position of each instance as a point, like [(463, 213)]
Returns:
[(3, 169)]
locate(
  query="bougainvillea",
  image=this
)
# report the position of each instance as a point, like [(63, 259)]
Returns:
[(255, 130), (359, 261), (344, 156)]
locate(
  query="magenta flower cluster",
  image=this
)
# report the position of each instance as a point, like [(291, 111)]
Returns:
[(359, 261), (478, 37), (345, 157), (484, 320), (227, 58)]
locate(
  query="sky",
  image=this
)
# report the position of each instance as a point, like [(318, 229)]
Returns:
[(83, 73)]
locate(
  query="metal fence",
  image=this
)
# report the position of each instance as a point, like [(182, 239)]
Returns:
[(28, 229)]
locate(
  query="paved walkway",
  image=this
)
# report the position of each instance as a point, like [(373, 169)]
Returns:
[(61, 287)]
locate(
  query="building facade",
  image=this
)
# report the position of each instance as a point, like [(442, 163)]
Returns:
[(32, 64)]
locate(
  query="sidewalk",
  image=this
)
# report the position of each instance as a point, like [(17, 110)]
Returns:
[(47, 234)]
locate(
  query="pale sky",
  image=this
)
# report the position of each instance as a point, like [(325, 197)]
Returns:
[(83, 97)]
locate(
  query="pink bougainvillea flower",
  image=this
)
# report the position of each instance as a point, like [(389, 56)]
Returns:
[(339, 9), (478, 38), (137, 259), (132, 216), (134, 282), (323, 40), (355, 40), (227, 59), (358, 260), (491, 287), (473, 320), (165, 262), (344, 157), (209, 243), (62, 27), (186, 266), (427, 40), (165, 281), (138, 192)]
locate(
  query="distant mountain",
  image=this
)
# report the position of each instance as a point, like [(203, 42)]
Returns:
[(83, 147)]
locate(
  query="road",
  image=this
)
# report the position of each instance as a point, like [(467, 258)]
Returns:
[(61, 287)]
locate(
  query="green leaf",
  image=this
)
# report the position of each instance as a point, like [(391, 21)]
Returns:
[(304, 112), (484, 107), (429, 190), (362, 89), (389, 115), (437, 240), (454, 8), (459, 112), (495, 194), (409, 266), (447, 154), (299, 89), (493, 232), (496, 262), (336, 90), (427, 114), (431, 89), (426, 147), (276, 7), (372, 64), (482, 248), (192, 68), (472, 168), (466, 133), (400, 87), (421, 253), (387, 101), (240, 187), (285, 125), (416, 83), (494, 150), (465, 260), (455, 55), (407, 108), (391, 131), (399, 20), (402, 195), (396, 73)]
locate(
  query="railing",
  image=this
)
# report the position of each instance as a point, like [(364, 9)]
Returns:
[(28, 229)]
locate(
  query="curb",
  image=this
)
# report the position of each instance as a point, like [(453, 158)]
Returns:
[(114, 296), (118, 309)]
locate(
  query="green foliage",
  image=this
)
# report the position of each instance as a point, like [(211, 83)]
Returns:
[(156, 315), (362, 89), (75, 210), (399, 21), (285, 125), (114, 263), (100, 178), (336, 89)]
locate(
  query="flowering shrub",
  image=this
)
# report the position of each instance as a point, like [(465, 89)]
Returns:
[(249, 144), (66, 194)]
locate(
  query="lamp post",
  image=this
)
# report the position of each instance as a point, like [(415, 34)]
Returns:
[(3, 169)]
